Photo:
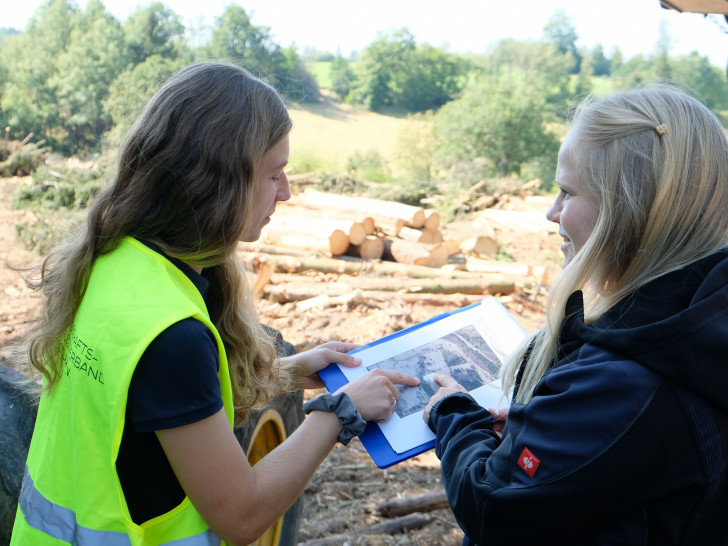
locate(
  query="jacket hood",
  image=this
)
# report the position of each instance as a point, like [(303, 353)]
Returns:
[(676, 325)]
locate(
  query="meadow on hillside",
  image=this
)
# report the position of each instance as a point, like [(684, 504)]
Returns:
[(326, 134)]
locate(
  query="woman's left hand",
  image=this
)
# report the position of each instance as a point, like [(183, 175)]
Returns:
[(305, 365)]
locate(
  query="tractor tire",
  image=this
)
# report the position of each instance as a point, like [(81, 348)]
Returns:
[(267, 429), (18, 410)]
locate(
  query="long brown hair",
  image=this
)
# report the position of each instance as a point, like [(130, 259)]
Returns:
[(185, 181)]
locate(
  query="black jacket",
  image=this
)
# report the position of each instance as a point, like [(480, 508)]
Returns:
[(626, 439)]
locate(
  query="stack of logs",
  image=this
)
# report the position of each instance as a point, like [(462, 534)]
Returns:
[(371, 229)]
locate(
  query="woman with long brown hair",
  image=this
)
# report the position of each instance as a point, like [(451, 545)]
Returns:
[(149, 344)]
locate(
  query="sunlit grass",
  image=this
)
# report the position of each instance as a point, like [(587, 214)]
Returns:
[(329, 133)]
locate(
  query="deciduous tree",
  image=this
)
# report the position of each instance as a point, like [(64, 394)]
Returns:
[(560, 30), (394, 71), (92, 60), (342, 77), (154, 30), (235, 37), (497, 126), (28, 97)]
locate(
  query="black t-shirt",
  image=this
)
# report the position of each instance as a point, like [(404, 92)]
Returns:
[(175, 383)]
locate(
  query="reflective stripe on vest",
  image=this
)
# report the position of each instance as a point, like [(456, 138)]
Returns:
[(60, 523)]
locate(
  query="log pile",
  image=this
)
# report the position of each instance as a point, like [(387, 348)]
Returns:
[(370, 229), (361, 244)]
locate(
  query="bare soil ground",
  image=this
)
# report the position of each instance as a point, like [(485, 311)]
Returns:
[(343, 496)]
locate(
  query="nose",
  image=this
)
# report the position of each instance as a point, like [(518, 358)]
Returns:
[(554, 212), (284, 188)]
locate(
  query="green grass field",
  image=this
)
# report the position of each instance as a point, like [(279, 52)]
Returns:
[(326, 134), (321, 71)]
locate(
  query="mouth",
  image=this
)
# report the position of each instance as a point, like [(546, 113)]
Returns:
[(565, 245)]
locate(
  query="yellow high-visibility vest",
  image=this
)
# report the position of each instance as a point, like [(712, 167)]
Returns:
[(71, 492)]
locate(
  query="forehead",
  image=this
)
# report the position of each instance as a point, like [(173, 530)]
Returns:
[(568, 146), (277, 156)]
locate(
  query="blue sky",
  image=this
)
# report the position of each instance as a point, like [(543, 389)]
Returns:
[(462, 25)]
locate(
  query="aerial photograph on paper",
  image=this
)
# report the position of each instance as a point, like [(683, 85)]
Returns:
[(462, 354)]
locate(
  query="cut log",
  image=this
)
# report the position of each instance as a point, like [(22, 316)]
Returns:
[(296, 291), (321, 228), (338, 242), (390, 226), (265, 272), (432, 220), (453, 246), (418, 503), (452, 301), (370, 249), (308, 242), (304, 262), (282, 291), (476, 265), (432, 236), (323, 301), (391, 527), (369, 225), (258, 247), (409, 252), (481, 245), (424, 235), (410, 234)]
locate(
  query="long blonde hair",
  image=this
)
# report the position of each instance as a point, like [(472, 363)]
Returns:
[(186, 182), (655, 161)]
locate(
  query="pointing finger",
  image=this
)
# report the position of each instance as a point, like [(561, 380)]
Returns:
[(400, 378), (444, 380)]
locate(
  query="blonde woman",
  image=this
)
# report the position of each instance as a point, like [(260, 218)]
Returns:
[(618, 429), (149, 344)]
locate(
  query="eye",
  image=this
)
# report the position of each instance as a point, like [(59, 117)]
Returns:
[(565, 193)]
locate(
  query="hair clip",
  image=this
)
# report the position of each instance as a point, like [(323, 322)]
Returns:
[(661, 129)]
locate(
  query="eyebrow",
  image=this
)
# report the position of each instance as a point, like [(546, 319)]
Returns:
[(564, 186)]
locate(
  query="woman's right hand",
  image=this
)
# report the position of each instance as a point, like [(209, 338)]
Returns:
[(375, 394), (448, 386)]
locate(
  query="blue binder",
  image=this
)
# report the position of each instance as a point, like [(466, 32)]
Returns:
[(373, 438)]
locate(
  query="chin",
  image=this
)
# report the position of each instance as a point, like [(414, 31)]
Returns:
[(250, 237)]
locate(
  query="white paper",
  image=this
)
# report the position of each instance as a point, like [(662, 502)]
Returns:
[(469, 345)]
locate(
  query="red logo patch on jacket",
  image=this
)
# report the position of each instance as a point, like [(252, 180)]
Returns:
[(528, 462)]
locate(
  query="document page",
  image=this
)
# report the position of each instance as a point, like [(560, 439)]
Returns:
[(469, 345)]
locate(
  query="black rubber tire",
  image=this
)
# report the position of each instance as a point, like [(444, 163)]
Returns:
[(18, 410), (287, 410)]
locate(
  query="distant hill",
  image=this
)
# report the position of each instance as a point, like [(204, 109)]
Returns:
[(329, 132)]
